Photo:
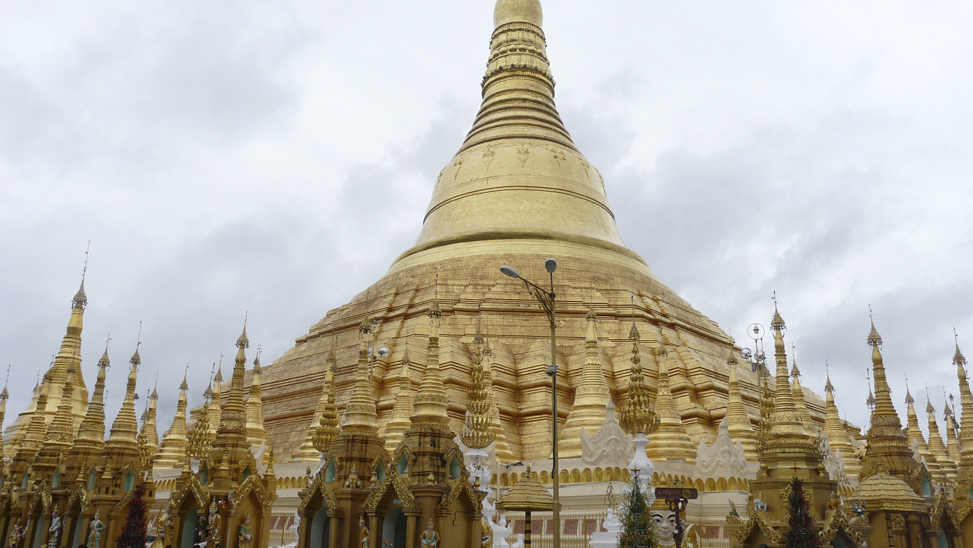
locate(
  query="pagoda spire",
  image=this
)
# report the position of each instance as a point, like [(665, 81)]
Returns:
[(786, 419), (637, 417), (401, 418), (834, 428), (430, 402), (125, 429), (92, 431), (149, 434), (215, 397), (68, 358), (328, 428), (738, 421), (175, 439), (888, 447), (307, 451), (591, 396), (952, 440), (360, 412), (256, 433), (4, 396), (501, 446), (476, 433), (914, 433), (518, 151), (232, 432), (671, 440), (36, 432), (936, 445), (966, 405), (799, 395)]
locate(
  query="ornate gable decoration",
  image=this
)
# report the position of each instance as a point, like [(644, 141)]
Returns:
[(723, 459), (80, 494), (757, 520), (192, 487), (252, 484), (457, 487), (610, 446), (839, 522), (120, 505), (318, 485), (397, 482)]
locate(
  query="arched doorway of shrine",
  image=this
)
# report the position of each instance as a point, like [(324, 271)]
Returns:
[(394, 528)]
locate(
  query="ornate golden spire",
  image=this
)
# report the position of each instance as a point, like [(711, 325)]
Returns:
[(888, 448), (430, 401), (516, 152), (671, 440), (36, 431), (308, 450), (60, 433), (476, 432), (256, 433), (966, 405), (401, 418), (638, 417), (914, 433), (799, 395), (175, 440), (149, 434), (199, 445), (360, 413), (232, 433), (952, 441), (125, 429), (590, 398), (738, 421), (501, 447), (786, 419), (936, 445), (4, 396), (328, 427), (68, 358), (837, 434), (215, 395), (92, 431)]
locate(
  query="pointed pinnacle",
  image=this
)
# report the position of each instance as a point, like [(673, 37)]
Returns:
[(633, 333), (874, 339)]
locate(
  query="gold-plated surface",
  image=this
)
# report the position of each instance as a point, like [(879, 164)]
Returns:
[(590, 398), (638, 416), (838, 436), (738, 421), (476, 433), (429, 405), (256, 433), (175, 439), (670, 440)]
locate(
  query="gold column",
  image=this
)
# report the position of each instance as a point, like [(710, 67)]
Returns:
[(373, 526), (335, 528), (410, 530)]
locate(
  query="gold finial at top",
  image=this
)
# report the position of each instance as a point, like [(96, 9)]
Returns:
[(874, 339), (828, 387), (5, 394), (777, 323), (243, 341), (80, 300), (908, 395), (958, 358), (795, 372)]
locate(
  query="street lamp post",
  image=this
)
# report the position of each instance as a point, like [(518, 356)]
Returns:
[(546, 299)]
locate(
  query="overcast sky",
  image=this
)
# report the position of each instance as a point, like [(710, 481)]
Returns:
[(274, 157)]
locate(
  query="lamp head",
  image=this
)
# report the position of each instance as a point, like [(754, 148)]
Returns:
[(550, 265), (509, 272)]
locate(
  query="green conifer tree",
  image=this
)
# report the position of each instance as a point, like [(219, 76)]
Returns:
[(801, 533), (638, 529), (133, 533)]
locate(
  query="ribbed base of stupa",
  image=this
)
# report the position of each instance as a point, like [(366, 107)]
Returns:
[(466, 280)]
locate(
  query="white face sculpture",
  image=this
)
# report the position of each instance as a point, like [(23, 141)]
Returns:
[(665, 526)]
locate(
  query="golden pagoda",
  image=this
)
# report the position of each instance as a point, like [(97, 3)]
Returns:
[(68, 359), (837, 434), (739, 424), (517, 192)]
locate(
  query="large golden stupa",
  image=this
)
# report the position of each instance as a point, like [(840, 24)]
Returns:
[(517, 192)]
